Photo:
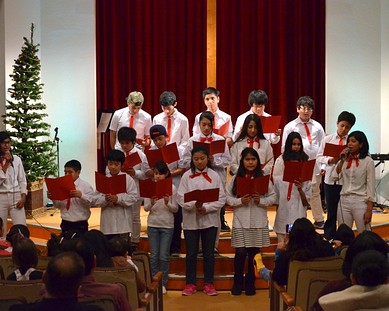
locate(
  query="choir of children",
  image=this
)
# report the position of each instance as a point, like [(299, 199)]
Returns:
[(197, 194)]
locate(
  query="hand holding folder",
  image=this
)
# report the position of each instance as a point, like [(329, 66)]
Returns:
[(131, 160), (59, 188), (149, 189), (302, 171), (332, 150), (111, 185), (259, 185), (216, 146), (208, 195), (270, 124)]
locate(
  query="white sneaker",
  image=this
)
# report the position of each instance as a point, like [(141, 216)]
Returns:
[(164, 291)]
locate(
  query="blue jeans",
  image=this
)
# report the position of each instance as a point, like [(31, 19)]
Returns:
[(208, 238), (160, 239)]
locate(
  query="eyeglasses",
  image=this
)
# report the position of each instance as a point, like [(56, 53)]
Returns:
[(306, 109)]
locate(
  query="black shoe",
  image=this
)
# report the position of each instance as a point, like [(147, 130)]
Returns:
[(319, 224), (236, 290), (225, 227)]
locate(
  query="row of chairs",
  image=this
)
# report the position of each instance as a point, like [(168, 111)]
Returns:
[(305, 280)]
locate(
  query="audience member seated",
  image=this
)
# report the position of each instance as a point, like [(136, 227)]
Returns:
[(367, 240), (89, 286), (25, 258), (55, 242), (14, 232), (99, 243), (62, 280), (342, 238), (303, 243), (369, 290)]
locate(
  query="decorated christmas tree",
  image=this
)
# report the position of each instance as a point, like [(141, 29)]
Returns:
[(25, 113)]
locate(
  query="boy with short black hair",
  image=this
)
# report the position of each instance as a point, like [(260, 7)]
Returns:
[(127, 138), (257, 100), (175, 123), (211, 100), (345, 122), (75, 211)]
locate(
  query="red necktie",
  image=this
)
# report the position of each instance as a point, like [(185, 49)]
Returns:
[(251, 142), (169, 127), (132, 121), (308, 133), (340, 141), (350, 161), (205, 174), (289, 191), (205, 139), (127, 153)]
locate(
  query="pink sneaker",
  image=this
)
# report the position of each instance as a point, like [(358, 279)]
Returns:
[(189, 289), (210, 290)]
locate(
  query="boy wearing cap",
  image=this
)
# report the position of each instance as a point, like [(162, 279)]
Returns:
[(175, 123), (257, 101), (132, 116), (211, 100), (159, 136), (13, 184)]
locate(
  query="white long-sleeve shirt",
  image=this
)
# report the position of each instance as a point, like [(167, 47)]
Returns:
[(192, 220), (221, 119), (14, 179)]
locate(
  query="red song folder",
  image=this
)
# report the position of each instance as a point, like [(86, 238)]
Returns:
[(59, 188), (332, 150), (298, 170), (270, 124), (131, 160), (208, 195), (258, 185), (148, 188), (216, 146), (168, 154), (111, 185), (223, 130)]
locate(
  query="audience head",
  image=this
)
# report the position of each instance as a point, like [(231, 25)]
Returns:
[(370, 268), (367, 240), (83, 249), (344, 234), (16, 232), (357, 143), (63, 275), (55, 242), (257, 101), (99, 244), (24, 253), (118, 246)]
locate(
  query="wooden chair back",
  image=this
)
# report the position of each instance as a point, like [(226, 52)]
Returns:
[(7, 301), (30, 290), (107, 303)]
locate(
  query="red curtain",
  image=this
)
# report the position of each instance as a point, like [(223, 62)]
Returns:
[(274, 45)]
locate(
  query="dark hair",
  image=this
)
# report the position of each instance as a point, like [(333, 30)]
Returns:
[(162, 168), (83, 249), (116, 155), (4, 135), (367, 240), (344, 234), (24, 253), (126, 133), (289, 154), (73, 164), (54, 244), (118, 246), (99, 244), (306, 101), (347, 117), (243, 133), (242, 171), (202, 150), (64, 274), (207, 115), (360, 137), (210, 90), (17, 232), (257, 97), (370, 268), (167, 98)]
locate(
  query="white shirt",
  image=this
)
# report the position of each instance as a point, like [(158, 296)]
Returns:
[(221, 119), (316, 132), (271, 137), (117, 218), (179, 129), (323, 160), (265, 153), (251, 215), (79, 209), (121, 118), (14, 178), (161, 214), (191, 219), (220, 160), (358, 180)]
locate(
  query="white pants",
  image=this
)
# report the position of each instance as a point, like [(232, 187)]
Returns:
[(352, 208), (8, 202), (136, 224), (315, 202)]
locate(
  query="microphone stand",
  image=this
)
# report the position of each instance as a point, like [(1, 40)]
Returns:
[(56, 140)]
